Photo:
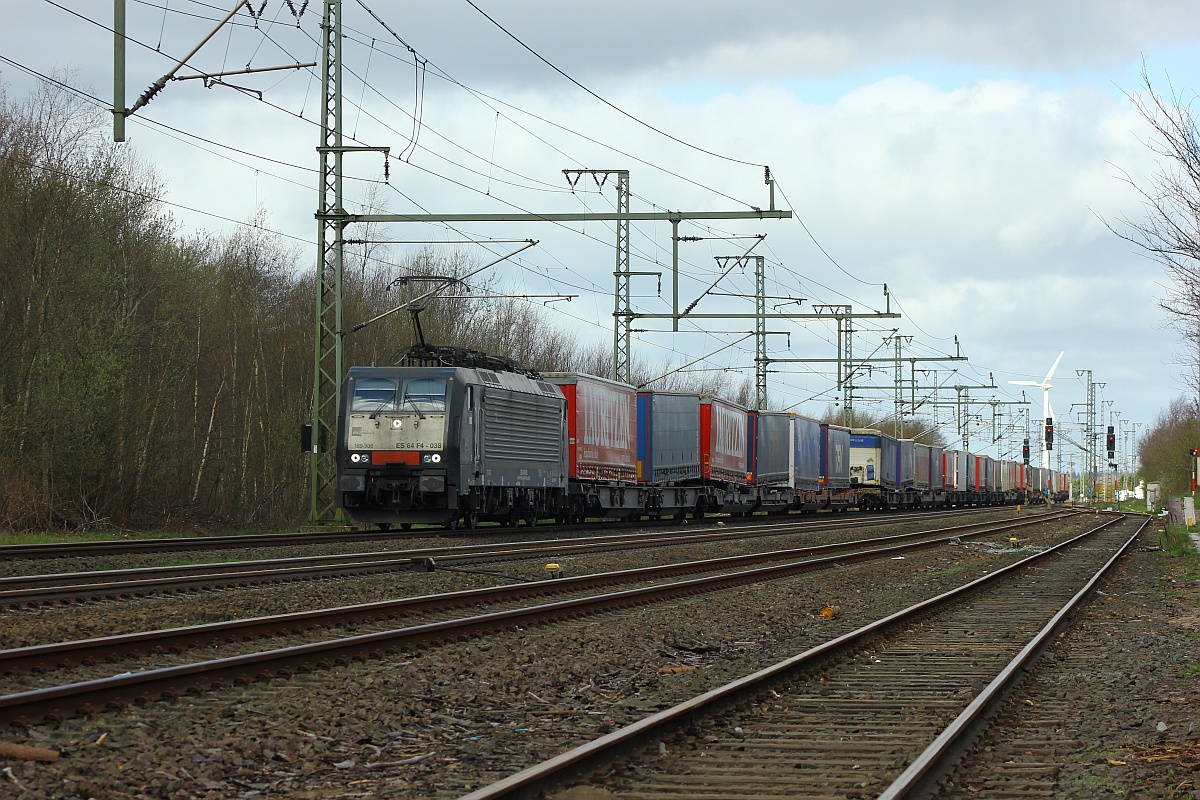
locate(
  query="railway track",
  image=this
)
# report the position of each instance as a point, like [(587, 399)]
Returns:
[(178, 544), (93, 549), (879, 712), (92, 695), (74, 587)]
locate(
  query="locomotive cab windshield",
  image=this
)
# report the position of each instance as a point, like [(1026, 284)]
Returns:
[(374, 395), (395, 415), (379, 395), (424, 395)]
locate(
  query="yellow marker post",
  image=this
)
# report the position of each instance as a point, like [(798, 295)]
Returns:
[(553, 571)]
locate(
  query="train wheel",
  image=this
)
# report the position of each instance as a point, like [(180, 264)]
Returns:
[(471, 520), (384, 526), (406, 526)]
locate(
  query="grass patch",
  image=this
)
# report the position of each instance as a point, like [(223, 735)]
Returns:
[(1180, 564), (1103, 781), (119, 536), (1190, 671), (1176, 542)]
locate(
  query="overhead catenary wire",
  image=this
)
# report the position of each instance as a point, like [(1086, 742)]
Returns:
[(419, 60), (608, 103), (486, 98), (436, 174), (100, 103)]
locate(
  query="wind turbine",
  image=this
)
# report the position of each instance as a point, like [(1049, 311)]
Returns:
[(1047, 411)]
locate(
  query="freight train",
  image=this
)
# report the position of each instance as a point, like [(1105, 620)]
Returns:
[(455, 438)]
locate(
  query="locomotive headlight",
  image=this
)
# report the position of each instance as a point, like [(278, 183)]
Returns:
[(355, 457), (436, 458), (397, 423)]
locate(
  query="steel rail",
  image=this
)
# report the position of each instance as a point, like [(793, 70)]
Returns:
[(171, 544), (56, 655), (583, 760), (65, 587), (487, 549), (941, 755), (115, 692), (10, 552)]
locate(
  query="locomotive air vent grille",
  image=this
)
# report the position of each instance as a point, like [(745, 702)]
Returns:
[(487, 376), (546, 388)]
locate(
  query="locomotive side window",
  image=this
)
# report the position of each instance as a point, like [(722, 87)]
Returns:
[(374, 395), (427, 395)]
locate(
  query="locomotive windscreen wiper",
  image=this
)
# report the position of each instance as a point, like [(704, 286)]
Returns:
[(379, 408), (405, 401), (413, 403)]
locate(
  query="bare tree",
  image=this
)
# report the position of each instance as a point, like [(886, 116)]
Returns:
[(1170, 231)]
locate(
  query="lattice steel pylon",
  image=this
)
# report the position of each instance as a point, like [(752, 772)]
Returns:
[(622, 310), (761, 362), (845, 321), (331, 222)]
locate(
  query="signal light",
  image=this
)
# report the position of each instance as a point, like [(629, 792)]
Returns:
[(1049, 433), (1025, 451), (1195, 452), (1111, 440)]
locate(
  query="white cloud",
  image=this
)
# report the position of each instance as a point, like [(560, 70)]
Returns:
[(965, 154)]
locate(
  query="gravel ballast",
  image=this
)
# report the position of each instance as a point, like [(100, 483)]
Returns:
[(441, 721)]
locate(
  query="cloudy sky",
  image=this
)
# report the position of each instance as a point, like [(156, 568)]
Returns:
[(967, 155)]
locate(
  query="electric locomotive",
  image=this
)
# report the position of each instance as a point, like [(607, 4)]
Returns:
[(438, 444)]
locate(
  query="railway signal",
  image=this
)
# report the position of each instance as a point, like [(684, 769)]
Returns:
[(1025, 452), (1049, 433), (1111, 441)]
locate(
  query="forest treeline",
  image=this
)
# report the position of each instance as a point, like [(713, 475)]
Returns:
[(154, 379), (1164, 452)]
